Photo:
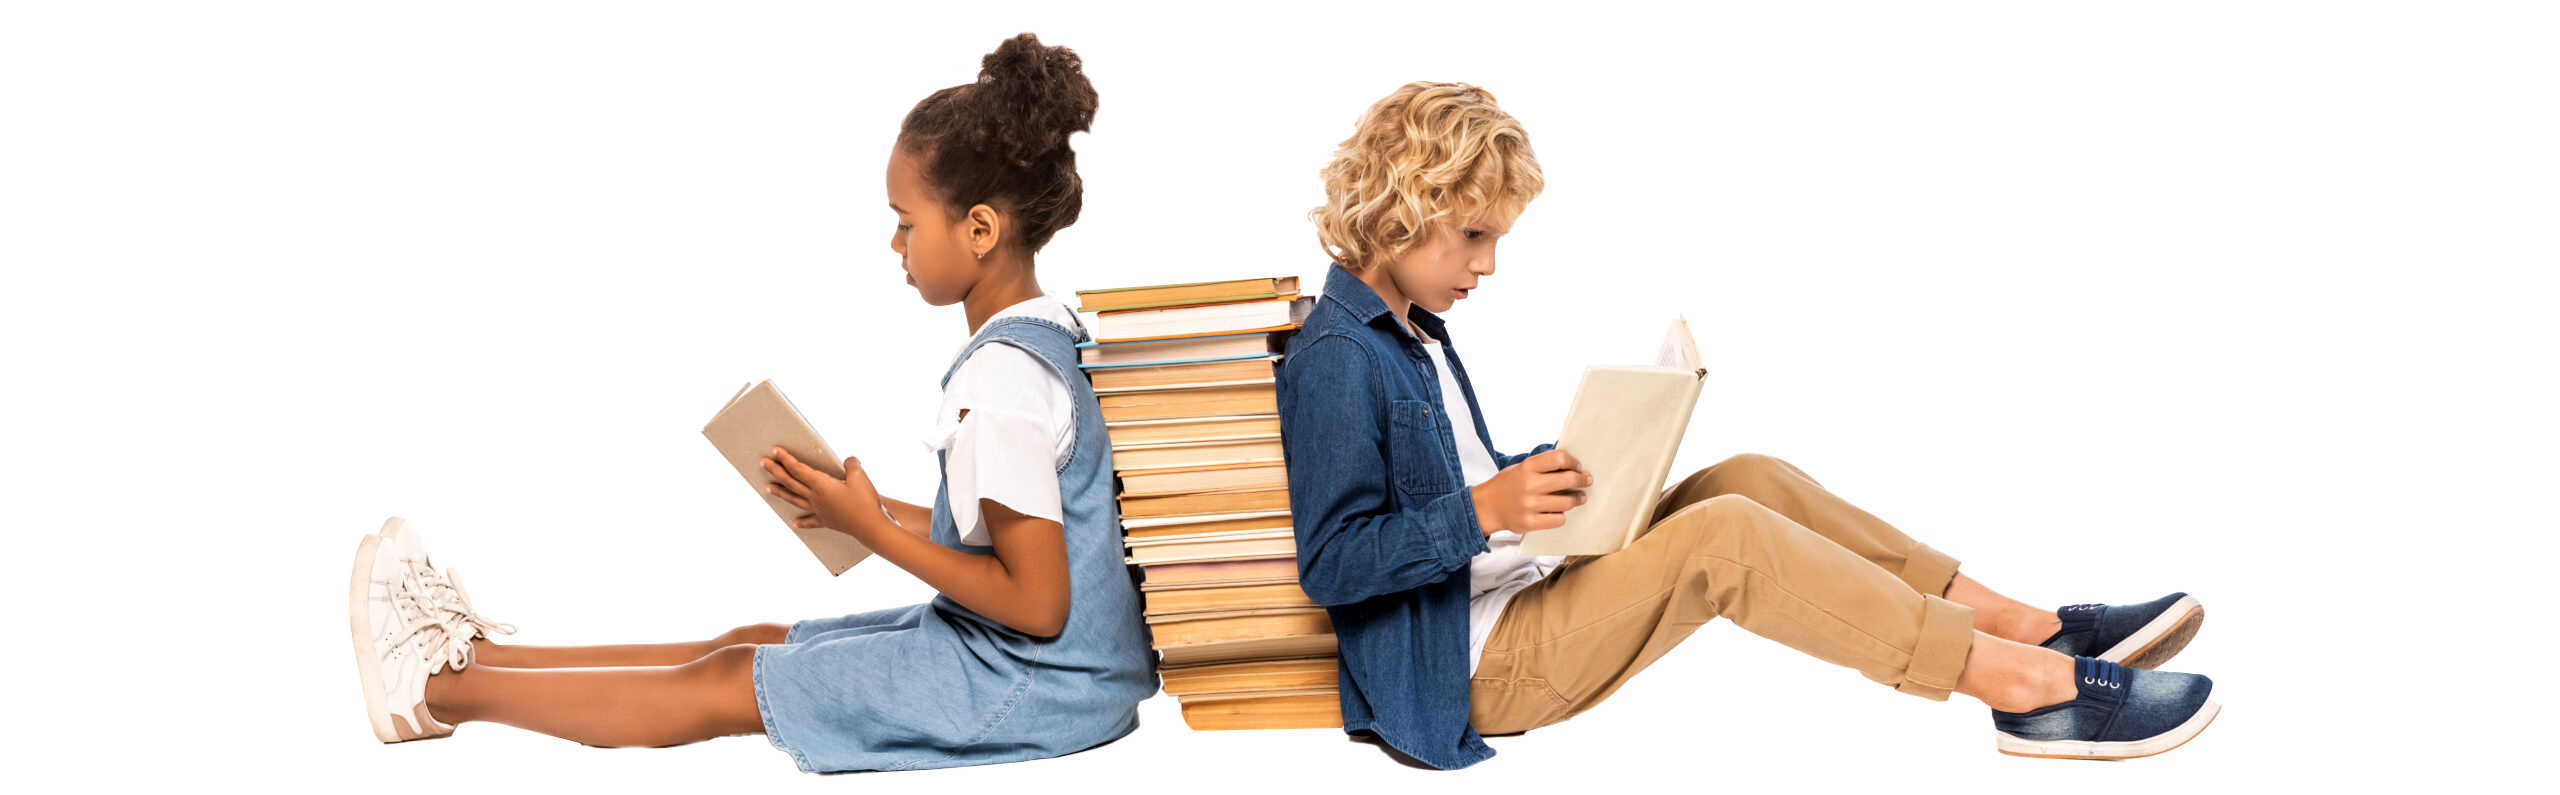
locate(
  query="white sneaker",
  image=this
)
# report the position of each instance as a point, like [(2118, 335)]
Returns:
[(444, 585), (400, 640)]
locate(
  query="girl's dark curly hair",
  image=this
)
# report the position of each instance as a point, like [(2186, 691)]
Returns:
[(1002, 141)]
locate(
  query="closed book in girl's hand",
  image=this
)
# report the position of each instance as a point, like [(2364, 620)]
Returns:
[(759, 419)]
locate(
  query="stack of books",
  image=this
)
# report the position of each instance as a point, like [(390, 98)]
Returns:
[(1185, 375)]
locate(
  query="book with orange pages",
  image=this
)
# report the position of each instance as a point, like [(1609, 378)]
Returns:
[(1306, 673), (1167, 404), (1195, 455), (1177, 575), (1206, 502), (1189, 480), (1117, 299), (1242, 317), (1128, 433), (1241, 597), (1298, 710), (1166, 376)]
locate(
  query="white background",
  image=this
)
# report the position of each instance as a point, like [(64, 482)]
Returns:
[(2250, 300)]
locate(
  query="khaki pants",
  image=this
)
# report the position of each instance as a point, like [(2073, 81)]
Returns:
[(1752, 539)]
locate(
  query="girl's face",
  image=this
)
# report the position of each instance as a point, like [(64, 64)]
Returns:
[(1437, 272), (935, 249)]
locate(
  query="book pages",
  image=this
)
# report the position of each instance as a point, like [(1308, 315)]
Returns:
[(1624, 426)]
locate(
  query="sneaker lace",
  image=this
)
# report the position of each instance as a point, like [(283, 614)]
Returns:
[(452, 604), (415, 604), (2094, 671)]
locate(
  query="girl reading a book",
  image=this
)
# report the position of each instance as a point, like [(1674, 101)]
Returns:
[(1408, 520), (1034, 646)]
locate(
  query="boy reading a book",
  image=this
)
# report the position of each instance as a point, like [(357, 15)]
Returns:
[(1408, 520)]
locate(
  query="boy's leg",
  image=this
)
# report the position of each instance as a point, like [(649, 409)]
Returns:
[(490, 653), (713, 696), (1567, 642), (1786, 489)]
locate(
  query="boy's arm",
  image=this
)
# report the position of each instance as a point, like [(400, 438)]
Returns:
[(1350, 546)]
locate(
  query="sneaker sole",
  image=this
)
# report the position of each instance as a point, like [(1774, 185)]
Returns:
[(2163, 638), (359, 625), (2161, 743)]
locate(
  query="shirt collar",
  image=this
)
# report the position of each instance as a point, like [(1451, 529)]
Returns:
[(1363, 303)]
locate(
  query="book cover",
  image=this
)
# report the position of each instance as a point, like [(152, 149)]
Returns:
[(759, 418)]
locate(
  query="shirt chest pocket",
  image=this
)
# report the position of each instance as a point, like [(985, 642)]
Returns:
[(1421, 462)]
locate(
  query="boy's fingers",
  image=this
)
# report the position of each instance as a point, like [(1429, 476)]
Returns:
[(1554, 460), (1543, 521), (808, 522)]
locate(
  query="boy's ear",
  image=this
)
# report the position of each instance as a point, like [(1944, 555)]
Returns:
[(986, 230)]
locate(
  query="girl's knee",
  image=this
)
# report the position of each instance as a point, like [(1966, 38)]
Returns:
[(753, 634)]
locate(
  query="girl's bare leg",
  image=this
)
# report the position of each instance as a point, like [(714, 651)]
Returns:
[(490, 653), (713, 696), (2001, 616)]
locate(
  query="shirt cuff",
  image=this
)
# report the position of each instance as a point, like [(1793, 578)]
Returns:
[(1450, 522), (1005, 456)]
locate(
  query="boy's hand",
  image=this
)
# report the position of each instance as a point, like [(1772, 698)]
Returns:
[(840, 505), (1530, 495)]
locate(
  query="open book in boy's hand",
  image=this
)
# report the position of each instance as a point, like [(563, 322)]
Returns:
[(755, 421), (1625, 425)]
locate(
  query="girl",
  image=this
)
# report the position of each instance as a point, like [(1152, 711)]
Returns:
[(1034, 647), (1446, 630)]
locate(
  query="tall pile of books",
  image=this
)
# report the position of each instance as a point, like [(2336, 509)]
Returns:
[(1185, 375)]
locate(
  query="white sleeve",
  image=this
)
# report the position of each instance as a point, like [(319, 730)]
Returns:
[(1008, 447)]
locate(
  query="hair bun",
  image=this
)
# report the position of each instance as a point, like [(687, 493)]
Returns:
[(1037, 95)]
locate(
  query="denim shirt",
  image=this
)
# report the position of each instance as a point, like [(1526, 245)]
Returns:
[(1385, 525)]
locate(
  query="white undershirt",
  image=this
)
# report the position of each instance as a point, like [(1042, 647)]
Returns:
[(1020, 427), (1501, 571)]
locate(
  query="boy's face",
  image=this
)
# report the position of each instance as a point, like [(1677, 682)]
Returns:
[(933, 247), (1444, 267)]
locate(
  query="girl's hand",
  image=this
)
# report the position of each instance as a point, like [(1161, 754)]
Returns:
[(849, 506), (1530, 495)]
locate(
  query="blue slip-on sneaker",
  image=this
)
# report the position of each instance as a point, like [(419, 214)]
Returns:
[(2139, 636), (2122, 713)]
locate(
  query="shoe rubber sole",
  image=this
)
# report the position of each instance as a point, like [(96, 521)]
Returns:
[(2161, 639), (360, 626), (2161, 743)]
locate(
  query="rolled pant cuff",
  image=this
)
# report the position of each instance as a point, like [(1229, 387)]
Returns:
[(1928, 570), (1937, 660)]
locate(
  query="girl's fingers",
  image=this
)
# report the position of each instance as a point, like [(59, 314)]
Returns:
[(806, 474), (788, 482), (809, 522), (796, 500)]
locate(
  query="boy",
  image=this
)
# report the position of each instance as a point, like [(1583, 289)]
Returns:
[(1446, 630)]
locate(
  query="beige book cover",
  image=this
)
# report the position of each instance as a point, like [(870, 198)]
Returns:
[(1624, 426), (756, 420)]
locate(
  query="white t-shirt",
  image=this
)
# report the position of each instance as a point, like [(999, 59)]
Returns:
[(1020, 427), (1497, 573)]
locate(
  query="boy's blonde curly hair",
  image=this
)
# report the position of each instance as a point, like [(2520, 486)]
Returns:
[(1426, 152)]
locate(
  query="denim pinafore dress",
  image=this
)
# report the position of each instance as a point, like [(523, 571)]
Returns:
[(936, 684)]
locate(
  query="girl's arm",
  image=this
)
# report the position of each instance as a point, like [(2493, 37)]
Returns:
[(917, 519), (1022, 586), (1350, 547)]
